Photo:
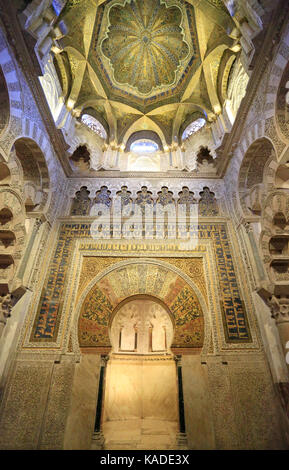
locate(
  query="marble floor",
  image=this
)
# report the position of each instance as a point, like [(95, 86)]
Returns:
[(135, 434)]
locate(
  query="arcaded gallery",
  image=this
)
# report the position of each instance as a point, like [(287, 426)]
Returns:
[(144, 225)]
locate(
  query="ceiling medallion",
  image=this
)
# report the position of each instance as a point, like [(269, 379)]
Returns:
[(145, 44)]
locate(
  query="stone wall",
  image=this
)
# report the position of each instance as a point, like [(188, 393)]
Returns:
[(35, 404), (230, 403)]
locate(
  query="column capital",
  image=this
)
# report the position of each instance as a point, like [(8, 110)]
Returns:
[(39, 218), (5, 307), (178, 360), (104, 360), (248, 227), (279, 306)]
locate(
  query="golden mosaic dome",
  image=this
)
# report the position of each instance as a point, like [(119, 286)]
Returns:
[(145, 65), (145, 44)]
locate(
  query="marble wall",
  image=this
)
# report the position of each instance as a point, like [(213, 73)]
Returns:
[(138, 388), (81, 417), (230, 401), (198, 412)]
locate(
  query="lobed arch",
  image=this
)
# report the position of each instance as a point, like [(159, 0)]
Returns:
[(141, 297), (274, 237), (12, 235), (109, 303), (254, 163), (34, 170), (20, 125), (267, 127), (12, 201), (276, 204), (256, 174), (141, 310), (94, 152)]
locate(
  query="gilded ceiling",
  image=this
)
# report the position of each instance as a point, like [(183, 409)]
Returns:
[(145, 45), (145, 64)]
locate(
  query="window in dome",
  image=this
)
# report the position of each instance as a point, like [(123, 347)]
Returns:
[(57, 6), (144, 146), (193, 127), (94, 125)]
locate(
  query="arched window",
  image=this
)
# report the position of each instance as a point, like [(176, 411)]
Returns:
[(193, 127), (94, 125), (144, 146), (144, 155)]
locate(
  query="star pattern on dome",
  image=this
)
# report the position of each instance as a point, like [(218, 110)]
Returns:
[(144, 64), (145, 45)]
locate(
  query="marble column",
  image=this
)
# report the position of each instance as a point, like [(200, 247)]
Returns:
[(98, 438), (182, 436)]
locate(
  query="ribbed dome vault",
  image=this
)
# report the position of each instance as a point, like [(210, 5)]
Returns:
[(145, 44)]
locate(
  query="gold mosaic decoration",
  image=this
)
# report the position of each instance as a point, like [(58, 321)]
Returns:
[(49, 311), (145, 44), (93, 265), (143, 58), (134, 279)]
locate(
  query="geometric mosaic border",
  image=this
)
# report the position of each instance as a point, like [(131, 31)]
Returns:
[(235, 322)]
